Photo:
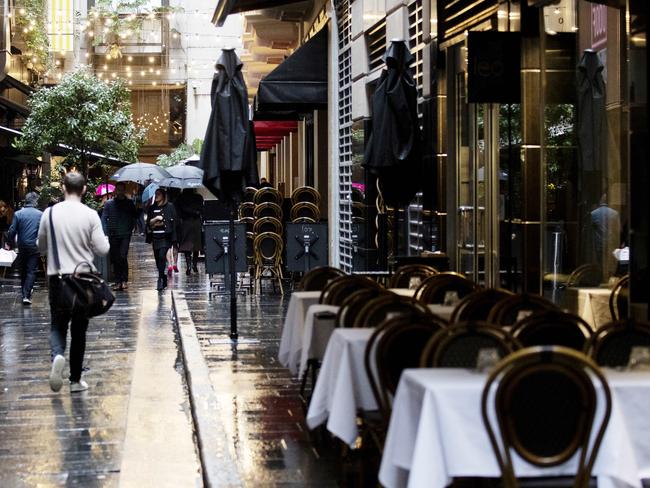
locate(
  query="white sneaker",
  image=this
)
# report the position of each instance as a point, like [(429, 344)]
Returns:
[(27, 301), (76, 386), (56, 373)]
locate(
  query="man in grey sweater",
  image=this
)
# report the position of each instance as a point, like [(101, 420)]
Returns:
[(79, 237)]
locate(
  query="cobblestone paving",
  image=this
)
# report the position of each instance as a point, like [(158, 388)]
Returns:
[(58, 439), (262, 411)]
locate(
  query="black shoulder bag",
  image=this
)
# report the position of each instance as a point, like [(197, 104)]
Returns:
[(82, 292)]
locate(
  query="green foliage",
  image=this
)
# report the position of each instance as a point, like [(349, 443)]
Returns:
[(112, 22), (182, 152), (85, 114), (31, 23)]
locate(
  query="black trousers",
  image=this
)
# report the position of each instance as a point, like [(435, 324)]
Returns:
[(28, 265), (189, 255), (119, 257), (61, 319), (160, 253)]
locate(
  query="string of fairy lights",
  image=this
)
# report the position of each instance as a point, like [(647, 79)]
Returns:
[(171, 66)]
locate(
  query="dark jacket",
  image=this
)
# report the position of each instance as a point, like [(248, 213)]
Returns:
[(168, 231), (25, 224), (118, 217), (189, 207)]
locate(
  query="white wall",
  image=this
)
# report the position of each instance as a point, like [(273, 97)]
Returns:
[(194, 54)]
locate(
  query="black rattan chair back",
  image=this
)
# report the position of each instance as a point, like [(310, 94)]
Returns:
[(411, 275), (338, 289), (619, 299), (316, 279), (435, 287), (458, 346), (478, 305), (553, 328), (384, 306), (509, 311), (541, 403), (611, 345), (354, 303)]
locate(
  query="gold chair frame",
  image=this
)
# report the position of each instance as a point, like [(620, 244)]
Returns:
[(272, 263), (309, 190), (277, 225), (501, 388), (262, 207), (273, 195), (313, 209)]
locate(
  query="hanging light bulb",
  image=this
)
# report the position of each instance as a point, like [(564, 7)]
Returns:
[(151, 59), (129, 59)]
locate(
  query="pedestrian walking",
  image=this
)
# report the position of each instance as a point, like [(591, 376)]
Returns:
[(79, 237), (189, 207), (139, 219), (118, 220), (161, 232), (23, 232)]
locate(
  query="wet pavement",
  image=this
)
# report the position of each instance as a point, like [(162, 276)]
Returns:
[(134, 426), (259, 400), (58, 439)]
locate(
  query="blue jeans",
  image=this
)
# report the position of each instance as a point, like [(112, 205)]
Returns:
[(28, 265)]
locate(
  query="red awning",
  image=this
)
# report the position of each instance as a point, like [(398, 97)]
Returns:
[(268, 133)]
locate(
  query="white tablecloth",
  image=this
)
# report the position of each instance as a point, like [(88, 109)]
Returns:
[(592, 304), (436, 432), (294, 324), (442, 311), (316, 335), (342, 387)]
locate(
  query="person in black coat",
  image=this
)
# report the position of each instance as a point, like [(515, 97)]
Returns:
[(161, 232), (190, 208)]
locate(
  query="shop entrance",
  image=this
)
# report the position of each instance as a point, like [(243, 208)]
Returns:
[(485, 142)]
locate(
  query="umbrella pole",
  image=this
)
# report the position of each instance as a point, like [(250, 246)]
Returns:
[(233, 275)]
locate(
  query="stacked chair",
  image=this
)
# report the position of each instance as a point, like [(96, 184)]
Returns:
[(305, 202), (538, 348), (261, 211)]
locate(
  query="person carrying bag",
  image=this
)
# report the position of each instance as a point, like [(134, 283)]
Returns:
[(71, 234)]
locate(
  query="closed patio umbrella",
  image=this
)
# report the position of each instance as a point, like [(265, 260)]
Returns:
[(394, 150), (226, 155)]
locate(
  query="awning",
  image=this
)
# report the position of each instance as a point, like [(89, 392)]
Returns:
[(227, 7), (299, 83), (268, 133), (62, 149)]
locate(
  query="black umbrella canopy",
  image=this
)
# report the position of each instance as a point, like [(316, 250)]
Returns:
[(394, 151), (225, 159)]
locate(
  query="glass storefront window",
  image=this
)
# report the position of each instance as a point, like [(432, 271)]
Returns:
[(585, 150)]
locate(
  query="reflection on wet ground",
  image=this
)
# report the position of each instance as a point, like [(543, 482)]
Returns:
[(59, 439), (262, 410), (55, 439)]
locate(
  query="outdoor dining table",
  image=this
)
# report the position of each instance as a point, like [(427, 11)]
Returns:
[(592, 304), (436, 432), (293, 331)]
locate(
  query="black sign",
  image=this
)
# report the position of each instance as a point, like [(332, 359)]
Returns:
[(493, 65)]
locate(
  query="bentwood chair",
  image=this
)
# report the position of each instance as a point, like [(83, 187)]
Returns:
[(305, 210), (352, 305), (434, 288), (585, 275), (268, 209), (338, 289), (459, 345), (268, 194), (268, 248), (611, 344), (267, 224), (246, 209), (618, 299), (249, 222), (540, 404), (510, 310), (305, 194), (249, 194), (552, 328), (386, 306), (411, 275), (394, 346), (316, 278), (478, 305)]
